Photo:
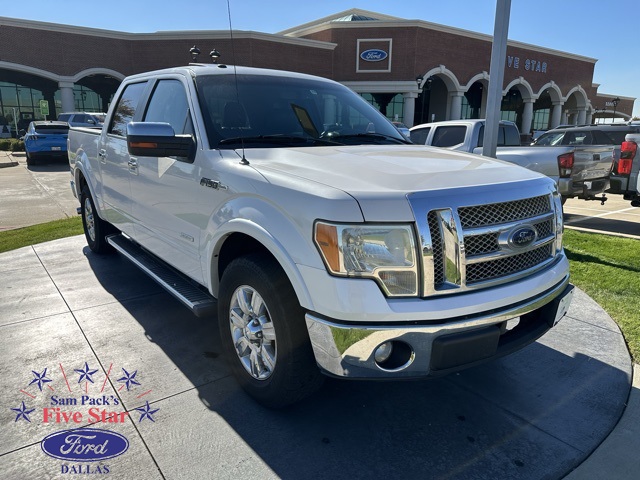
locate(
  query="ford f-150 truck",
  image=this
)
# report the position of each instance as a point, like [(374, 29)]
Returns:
[(324, 242), (581, 170)]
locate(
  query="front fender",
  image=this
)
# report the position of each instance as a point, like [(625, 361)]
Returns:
[(272, 244)]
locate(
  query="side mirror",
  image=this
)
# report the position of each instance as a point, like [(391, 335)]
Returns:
[(91, 121), (22, 132), (155, 139)]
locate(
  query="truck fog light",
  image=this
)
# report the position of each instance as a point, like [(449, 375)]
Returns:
[(383, 352)]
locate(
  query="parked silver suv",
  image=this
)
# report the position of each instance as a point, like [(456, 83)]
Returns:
[(83, 119)]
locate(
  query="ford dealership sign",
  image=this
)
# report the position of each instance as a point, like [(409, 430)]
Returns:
[(373, 55), (84, 445)]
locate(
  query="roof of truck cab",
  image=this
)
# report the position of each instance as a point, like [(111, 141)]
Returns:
[(198, 69)]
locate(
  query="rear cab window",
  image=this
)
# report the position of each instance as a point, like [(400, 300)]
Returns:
[(419, 135), (508, 136), (448, 136)]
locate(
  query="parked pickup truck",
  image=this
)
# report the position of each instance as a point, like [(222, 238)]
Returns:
[(579, 170), (625, 179), (323, 240)]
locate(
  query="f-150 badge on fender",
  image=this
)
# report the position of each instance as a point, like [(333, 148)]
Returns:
[(207, 182)]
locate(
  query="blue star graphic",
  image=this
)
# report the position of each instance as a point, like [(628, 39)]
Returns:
[(146, 412), (40, 378), (23, 412), (129, 379), (85, 374)]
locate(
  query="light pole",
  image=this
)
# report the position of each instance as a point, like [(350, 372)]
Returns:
[(615, 102), (419, 82), (15, 120)]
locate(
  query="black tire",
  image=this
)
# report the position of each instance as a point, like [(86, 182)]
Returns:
[(290, 372), (95, 229), (30, 160)]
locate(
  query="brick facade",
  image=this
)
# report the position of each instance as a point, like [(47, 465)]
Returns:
[(328, 49)]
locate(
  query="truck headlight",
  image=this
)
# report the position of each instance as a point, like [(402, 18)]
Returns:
[(386, 253)]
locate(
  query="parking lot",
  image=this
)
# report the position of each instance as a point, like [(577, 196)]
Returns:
[(95, 323), (32, 195)]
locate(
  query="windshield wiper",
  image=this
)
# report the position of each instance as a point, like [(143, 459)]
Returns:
[(288, 140), (374, 137)]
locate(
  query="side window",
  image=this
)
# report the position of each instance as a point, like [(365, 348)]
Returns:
[(169, 104), (419, 135), (511, 136), (126, 108), (449, 136)]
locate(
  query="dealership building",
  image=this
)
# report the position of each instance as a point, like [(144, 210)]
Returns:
[(411, 70)]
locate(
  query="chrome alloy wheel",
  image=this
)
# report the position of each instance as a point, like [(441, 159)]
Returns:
[(88, 219), (254, 337)]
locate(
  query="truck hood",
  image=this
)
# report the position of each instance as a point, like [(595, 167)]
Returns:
[(380, 177)]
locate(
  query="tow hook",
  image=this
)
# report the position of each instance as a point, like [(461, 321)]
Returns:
[(601, 199)]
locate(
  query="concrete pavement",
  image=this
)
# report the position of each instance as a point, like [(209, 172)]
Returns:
[(539, 413), (32, 195)]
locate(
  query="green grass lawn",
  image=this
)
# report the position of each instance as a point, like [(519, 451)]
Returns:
[(607, 268), (21, 237)]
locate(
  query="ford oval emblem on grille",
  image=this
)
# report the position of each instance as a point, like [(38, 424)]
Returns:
[(522, 236)]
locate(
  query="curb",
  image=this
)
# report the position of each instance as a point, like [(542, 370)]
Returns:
[(616, 456)]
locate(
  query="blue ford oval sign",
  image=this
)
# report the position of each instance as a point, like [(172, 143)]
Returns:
[(522, 236), (373, 55), (84, 445)]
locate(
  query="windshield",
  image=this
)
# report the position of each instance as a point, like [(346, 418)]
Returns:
[(273, 111), (550, 138)]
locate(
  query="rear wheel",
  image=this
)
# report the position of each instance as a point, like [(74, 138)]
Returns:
[(30, 160), (95, 229), (263, 333)]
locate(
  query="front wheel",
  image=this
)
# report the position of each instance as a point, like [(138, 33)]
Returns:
[(95, 229), (263, 333)]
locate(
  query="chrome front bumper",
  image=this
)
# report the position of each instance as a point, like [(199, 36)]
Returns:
[(431, 349)]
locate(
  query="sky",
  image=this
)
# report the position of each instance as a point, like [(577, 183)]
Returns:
[(582, 27)]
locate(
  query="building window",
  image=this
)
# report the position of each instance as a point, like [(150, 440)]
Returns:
[(467, 111), (19, 105), (509, 115), (86, 100), (389, 104), (541, 119)]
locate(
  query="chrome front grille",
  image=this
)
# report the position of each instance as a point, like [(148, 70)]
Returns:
[(479, 246), (438, 260), (497, 213), (479, 272)]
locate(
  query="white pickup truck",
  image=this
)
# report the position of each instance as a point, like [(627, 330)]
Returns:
[(580, 169), (324, 242)]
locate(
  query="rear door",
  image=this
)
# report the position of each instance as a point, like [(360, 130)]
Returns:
[(115, 162)]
